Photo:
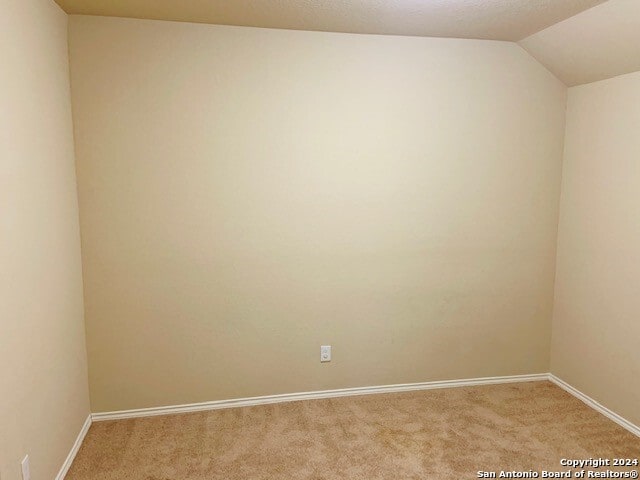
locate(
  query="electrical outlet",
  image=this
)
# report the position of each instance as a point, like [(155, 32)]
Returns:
[(325, 353), (26, 471)]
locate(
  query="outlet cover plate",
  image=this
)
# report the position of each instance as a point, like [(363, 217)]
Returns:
[(325, 353)]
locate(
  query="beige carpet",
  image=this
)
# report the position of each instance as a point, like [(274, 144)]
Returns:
[(438, 434)]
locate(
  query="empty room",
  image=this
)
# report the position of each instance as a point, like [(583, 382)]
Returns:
[(323, 240)]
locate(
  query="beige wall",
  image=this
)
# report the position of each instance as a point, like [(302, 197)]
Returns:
[(44, 397), (596, 326), (247, 195)]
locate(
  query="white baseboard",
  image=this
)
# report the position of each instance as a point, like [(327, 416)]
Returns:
[(74, 450), (345, 392), (623, 422), (293, 397)]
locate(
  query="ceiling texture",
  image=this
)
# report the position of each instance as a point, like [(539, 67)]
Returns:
[(484, 19), (580, 41)]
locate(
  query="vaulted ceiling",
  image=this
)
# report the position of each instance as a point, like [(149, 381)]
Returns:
[(487, 19), (599, 43), (580, 41)]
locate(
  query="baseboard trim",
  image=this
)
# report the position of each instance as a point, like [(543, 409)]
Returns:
[(74, 450), (294, 397), (623, 422), (345, 392)]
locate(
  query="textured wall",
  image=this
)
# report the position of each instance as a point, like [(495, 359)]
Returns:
[(43, 365), (596, 327), (247, 195)]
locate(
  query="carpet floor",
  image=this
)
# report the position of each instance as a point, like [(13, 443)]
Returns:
[(437, 434)]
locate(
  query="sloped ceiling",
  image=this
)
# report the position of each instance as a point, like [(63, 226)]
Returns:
[(598, 43), (483, 19)]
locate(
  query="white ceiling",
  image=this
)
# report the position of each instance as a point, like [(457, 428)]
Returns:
[(485, 19), (599, 43)]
